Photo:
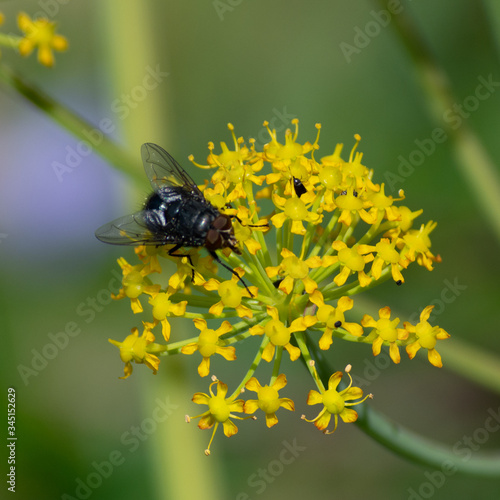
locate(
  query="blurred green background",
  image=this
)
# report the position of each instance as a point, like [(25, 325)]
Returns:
[(243, 62)]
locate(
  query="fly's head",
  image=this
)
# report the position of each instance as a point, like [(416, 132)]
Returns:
[(221, 235)]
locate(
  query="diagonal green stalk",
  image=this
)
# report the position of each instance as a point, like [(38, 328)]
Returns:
[(477, 166), (253, 367), (421, 450), (72, 122)]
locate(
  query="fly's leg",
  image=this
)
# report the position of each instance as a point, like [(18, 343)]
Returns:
[(172, 254), (223, 264)]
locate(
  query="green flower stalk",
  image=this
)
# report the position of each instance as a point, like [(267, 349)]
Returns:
[(312, 234)]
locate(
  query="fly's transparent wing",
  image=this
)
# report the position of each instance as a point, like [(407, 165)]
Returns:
[(130, 230), (163, 171)]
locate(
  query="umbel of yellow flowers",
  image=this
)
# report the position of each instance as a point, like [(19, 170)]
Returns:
[(314, 231)]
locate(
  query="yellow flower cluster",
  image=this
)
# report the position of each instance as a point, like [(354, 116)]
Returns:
[(312, 233)]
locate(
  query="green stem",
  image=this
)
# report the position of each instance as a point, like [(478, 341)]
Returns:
[(276, 365), (420, 450), (252, 368), (492, 8), (10, 40), (310, 363), (476, 165), (130, 43), (73, 123)]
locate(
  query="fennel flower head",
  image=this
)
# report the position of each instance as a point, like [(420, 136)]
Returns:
[(312, 232)]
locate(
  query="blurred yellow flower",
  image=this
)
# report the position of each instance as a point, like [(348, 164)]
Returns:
[(40, 33)]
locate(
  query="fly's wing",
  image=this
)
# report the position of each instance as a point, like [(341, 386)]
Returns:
[(164, 172), (130, 230)]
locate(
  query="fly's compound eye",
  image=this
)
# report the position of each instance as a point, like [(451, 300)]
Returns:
[(214, 239), (222, 223)]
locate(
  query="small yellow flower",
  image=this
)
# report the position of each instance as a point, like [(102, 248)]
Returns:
[(163, 308), (333, 318), (208, 344), (219, 411), (244, 226), (350, 202), (406, 217), (335, 403), (330, 177), (137, 349), (268, 399), (383, 204), (293, 269), (427, 337), (296, 210), (387, 255), (418, 245), (149, 257), (236, 168), (231, 295), (280, 335), (275, 152), (134, 284), (40, 33), (384, 330), (354, 173), (352, 260), (186, 273)]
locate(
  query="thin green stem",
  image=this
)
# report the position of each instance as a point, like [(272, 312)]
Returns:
[(480, 171), (421, 450), (253, 367), (327, 233), (308, 361), (73, 123), (10, 40), (276, 365)]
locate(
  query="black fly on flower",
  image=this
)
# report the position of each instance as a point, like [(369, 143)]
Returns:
[(176, 213)]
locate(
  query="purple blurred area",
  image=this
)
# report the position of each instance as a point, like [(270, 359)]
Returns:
[(48, 214)]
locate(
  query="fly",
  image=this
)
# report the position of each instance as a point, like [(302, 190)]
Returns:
[(176, 213)]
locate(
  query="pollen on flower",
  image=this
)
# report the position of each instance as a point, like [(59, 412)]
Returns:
[(306, 235)]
